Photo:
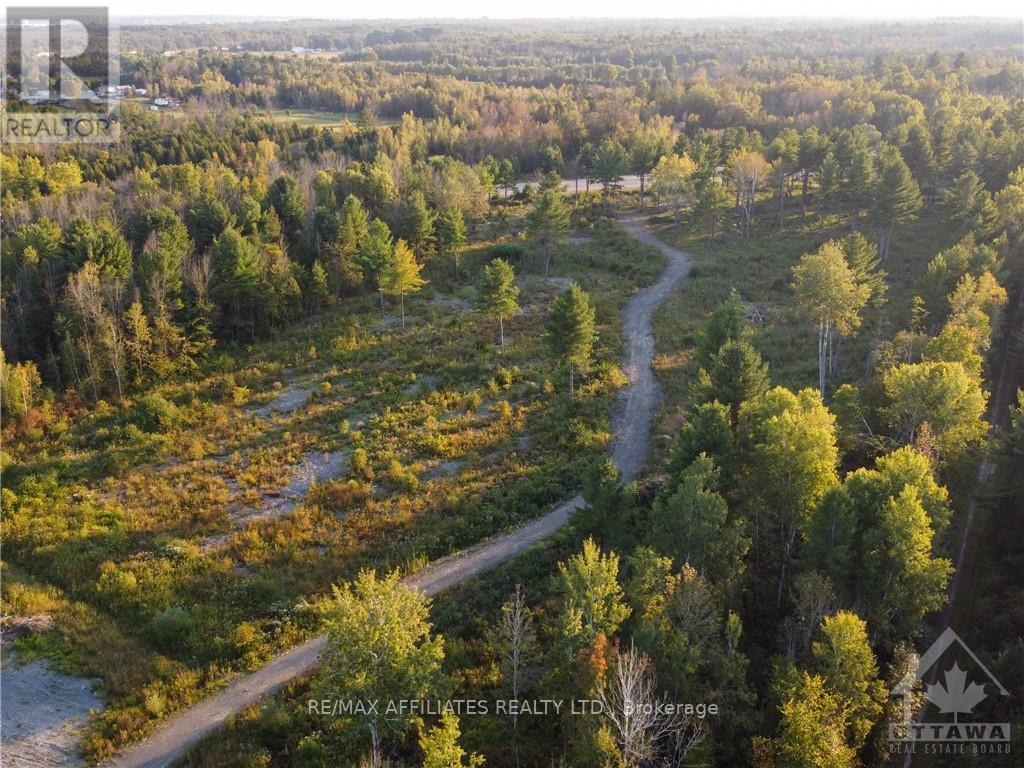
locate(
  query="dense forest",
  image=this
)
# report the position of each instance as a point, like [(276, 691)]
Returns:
[(338, 312)]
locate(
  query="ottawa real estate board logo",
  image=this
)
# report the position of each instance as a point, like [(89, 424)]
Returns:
[(954, 682), (60, 76)]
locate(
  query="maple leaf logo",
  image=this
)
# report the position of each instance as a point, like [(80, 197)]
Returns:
[(956, 696)]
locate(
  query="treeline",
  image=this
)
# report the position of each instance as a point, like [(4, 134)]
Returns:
[(558, 49), (115, 290), (229, 226)]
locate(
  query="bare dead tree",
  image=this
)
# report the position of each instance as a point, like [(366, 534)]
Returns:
[(518, 638), (629, 702), (683, 734), (197, 275)]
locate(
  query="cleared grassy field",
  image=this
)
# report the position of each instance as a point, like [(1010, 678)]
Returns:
[(179, 537), (314, 119)]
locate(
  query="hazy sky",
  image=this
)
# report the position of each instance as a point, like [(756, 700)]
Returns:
[(247, 9)]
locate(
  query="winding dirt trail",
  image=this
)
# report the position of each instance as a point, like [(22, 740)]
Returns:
[(632, 428)]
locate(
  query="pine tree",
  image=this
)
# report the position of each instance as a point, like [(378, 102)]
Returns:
[(283, 196), (693, 525), (858, 185), (498, 293), (401, 275), (724, 325), (451, 234), (736, 374), (419, 222), (896, 199), (711, 209), (548, 223), (374, 253), (237, 281), (810, 155), (570, 330), (862, 258), (320, 292), (971, 205), (610, 162)]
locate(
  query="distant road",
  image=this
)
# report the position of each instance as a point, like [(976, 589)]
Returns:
[(630, 183), (631, 421)]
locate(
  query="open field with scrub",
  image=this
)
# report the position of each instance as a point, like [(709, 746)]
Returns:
[(214, 510)]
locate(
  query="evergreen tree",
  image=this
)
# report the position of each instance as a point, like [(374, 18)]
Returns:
[(451, 234), (419, 222), (237, 282), (207, 218), (374, 252), (570, 330), (810, 155), (283, 196), (896, 199), (693, 524), (858, 185), (862, 258), (498, 293), (736, 374), (548, 223), (711, 209), (610, 162), (971, 206), (724, 325), (320, 293)]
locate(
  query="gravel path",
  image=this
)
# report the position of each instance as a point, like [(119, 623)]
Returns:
[(632, 422)]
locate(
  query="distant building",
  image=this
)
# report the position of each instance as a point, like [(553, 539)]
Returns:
[(140, 91), (298, 49)]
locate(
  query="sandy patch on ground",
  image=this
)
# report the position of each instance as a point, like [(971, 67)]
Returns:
[(288, 400), (317, 467), (534, 281), (43, 714), (443, 469), (456, 303)]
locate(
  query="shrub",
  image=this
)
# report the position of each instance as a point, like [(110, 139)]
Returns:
[(154, 413), (171, 628), (361, 464), (510, 251)]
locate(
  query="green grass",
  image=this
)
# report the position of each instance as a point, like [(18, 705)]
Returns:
[(317, 119)]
